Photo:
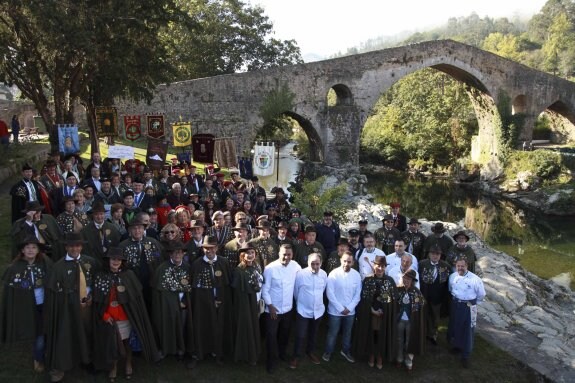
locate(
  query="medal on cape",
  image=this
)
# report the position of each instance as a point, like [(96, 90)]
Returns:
[(108, 231), (121, 288), (218, 273), (42, 226), (87, 266), (184, 282), (147, 246), (39, 282)]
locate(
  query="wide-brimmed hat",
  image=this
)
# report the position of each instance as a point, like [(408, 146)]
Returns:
[(461, 233), (240, 226), (362, 222), (413, 221), (353, 232), (136, 222), (73, 239), (435, 249), (32, 206), (68, 175), (410, 274), (30, 239), (380, 260), (283, 225), (387, 217), (343, 241), (210, 241), (194, 223), (264, 225), (299, 221), (115, 253), (98, 207), (68, 198), (245, 247), (310, 229), (174, 245), (438, 228)]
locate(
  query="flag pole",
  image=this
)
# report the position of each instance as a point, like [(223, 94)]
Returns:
[(278, 166)]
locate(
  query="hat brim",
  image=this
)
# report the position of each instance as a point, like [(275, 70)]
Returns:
[(38, 208), (208, 245)]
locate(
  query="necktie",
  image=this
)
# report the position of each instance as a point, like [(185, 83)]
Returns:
[(434, 271), (410, 247), (32, 191), (83, 289)]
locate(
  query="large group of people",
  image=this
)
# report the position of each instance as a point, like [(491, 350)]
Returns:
[(113, 259)]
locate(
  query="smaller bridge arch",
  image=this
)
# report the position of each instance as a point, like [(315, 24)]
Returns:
[(339, 95), (562, 120)]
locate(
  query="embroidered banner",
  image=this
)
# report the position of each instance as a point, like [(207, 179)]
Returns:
[(132, 128), (68, 140), (107, 121), (155, 124), (225, 153), (263, 164), (182, 133), (203, 148), (156, 154)]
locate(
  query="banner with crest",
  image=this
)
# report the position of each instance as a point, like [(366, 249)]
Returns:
[(132, 128), (155, 125), (182, 133), (107, 121)]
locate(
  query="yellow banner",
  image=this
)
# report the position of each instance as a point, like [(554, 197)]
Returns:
[(182, 133)]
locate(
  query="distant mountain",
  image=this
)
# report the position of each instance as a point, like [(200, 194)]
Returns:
[(311, 57)]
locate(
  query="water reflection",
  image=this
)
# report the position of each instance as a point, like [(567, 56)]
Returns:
[(544, 245)]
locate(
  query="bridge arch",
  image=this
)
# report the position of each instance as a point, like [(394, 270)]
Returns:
[(339, 95), (562, 122), (316, 149), (484, 146)]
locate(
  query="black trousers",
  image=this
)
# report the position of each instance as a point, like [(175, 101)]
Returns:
[(277, 336), (306, 330)]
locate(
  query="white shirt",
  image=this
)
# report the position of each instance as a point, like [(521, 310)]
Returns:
[(308, 292), (466, 287), (343, 291), (97, 183), (278, 287), (397, 275), (365, 265), (394, 259)]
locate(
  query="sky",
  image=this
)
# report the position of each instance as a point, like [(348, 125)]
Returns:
[(325, 27)]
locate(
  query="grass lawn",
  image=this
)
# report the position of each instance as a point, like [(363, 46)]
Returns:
[(489, 364)]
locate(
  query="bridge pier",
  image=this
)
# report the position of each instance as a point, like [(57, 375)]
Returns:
[(340, 126)]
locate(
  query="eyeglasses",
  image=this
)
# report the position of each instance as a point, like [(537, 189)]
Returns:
[(169, 232), (315, 263)]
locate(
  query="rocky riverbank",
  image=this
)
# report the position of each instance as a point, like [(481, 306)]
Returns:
[(527, 316)]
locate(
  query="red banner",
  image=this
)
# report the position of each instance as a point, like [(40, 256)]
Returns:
[(132, 128), (155, 126)]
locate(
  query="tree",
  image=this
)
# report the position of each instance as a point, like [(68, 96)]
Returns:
[(503, 45), (225, 36), (60, 53), (557, 47)]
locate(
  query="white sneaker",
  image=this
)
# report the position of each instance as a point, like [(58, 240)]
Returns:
[(347, 356), (326, 356)]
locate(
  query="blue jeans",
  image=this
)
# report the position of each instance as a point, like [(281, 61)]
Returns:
[(335, 323)]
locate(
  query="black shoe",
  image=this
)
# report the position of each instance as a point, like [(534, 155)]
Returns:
[(432, 340), (192, 364), (284, 358), (454, 351), (465, 363)]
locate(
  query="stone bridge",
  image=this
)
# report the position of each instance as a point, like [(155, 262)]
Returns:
[(230, 105)]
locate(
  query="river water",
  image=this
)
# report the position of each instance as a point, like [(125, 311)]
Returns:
[(544, 245)]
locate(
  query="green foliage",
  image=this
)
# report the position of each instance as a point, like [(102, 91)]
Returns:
[(541, 163), (225, 36), (302, 143), (542, 128), (312, 201), (426, 118), (509, 125), (276, 124)]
